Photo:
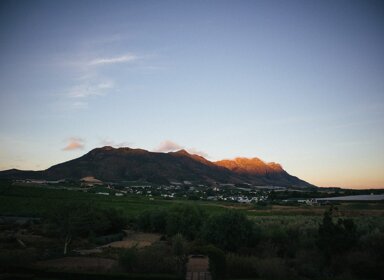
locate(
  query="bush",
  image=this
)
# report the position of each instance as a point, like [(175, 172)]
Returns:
[(128, 259), (116, 220), (336, 238), (157, 258), (17, 257), (241, 266), (250, 267), (374, 243), (309, 263), (363, 265), (273, 268)]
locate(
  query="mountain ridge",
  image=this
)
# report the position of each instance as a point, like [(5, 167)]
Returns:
[(127, 164)]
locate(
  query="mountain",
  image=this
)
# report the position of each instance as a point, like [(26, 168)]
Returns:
[(255, 170), (126, 164), (251, 166)]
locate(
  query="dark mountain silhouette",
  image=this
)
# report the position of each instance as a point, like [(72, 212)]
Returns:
[(126, 164)]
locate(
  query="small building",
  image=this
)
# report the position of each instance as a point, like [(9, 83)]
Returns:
[(90, 181), (102, 193)]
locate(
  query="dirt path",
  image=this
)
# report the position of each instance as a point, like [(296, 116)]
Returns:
[(198, 268), (134, 239), (131, 239)]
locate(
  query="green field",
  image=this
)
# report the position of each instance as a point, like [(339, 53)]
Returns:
[(34, 201)]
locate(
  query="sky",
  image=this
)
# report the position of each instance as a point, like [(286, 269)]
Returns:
[(300, 83)]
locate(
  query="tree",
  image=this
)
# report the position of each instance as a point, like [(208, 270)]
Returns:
[(73, 219), (336, 237), (185, 219), (179, 250), (69, 220), (229, 230)]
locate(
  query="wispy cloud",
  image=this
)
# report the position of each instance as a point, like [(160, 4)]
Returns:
[(107, 142), (113, 60), (74, 143), (170, 146), (79, 105), (197, 152), (89, 88), (91, 82)]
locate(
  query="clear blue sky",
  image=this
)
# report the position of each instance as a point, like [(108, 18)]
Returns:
[(296, 82)]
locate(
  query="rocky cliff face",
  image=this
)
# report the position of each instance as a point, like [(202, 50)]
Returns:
[(254, 166)]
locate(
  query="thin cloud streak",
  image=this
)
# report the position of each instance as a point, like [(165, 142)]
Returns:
[(79, 105), (170, 146), (90, 88), (113, 60), (197, 152), (91, 83), (107, 142), (74, 143)]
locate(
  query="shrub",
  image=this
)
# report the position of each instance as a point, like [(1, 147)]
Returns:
[(17, 257), (157, 258), (374, 243), (249, 267), (273, 268), (335, 238), (128, 259), (116, 220), (363, 265), (309, 263), (241, 266)]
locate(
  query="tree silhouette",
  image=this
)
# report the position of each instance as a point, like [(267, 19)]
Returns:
[(335, 238)]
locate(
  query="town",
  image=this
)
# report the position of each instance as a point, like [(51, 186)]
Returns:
[(194, 191)]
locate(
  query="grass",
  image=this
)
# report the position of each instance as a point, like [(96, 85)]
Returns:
[(33, 201)]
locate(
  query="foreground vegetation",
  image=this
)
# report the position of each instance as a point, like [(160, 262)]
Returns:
[(267, 241)]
